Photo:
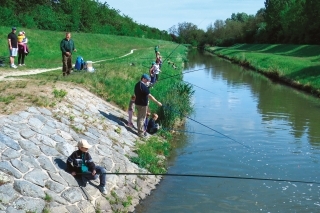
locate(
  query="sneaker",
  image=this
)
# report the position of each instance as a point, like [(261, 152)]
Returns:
[(13, 66), (20, 64), (23, 65), (103, 190)]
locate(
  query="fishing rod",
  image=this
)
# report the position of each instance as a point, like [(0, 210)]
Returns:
[(196, 86), (170, 76), (196, 133), (208, 127), (208, 176), (170, 53)]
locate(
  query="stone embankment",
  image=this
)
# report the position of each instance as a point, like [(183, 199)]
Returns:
[(34, 146)]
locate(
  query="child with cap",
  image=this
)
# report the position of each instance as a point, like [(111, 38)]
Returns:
[(152, 125), (80, 161)]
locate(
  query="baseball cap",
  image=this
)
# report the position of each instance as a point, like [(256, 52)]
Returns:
[(146, 76), (84, 143), (14, 28)]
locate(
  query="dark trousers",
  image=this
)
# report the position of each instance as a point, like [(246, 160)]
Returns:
[(100, 172), (21, 54), (66, 64)]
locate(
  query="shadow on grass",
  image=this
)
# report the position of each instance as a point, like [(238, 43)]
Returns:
[(282, 49), (306, 73)]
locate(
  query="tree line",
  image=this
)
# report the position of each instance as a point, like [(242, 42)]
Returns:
[(90, 16), (280, 21)]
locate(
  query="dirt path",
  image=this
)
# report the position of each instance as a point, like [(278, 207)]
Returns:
[(5, 75)]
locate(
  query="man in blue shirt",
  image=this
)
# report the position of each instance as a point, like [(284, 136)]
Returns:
[(142, 94)]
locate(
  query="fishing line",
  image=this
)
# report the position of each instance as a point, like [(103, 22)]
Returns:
[(208, 127), (170, 54), (185, 81), (196, 133), (194, 85), (186, 73), (210, 176)]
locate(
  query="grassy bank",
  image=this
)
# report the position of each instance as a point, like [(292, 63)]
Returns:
[(115, 77), (296, 65), (113, 80)]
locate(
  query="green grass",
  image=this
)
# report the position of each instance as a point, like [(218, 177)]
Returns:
[(148, 155), (114, 78), (298, 65)]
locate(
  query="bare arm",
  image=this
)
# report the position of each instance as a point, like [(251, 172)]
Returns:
[(154, 100), (9, 42)]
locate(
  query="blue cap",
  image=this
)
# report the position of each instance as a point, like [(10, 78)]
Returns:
[(153, 63), (146, 76), (14, 28)]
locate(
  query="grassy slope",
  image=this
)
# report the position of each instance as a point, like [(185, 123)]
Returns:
[(298, 65), (114, 79)]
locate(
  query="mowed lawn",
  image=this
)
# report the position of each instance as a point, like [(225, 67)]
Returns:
[(298, 65)]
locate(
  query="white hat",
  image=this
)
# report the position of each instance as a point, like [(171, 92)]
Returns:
[(84, 143)]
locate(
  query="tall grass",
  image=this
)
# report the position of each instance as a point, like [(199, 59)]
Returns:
[(149, 155)]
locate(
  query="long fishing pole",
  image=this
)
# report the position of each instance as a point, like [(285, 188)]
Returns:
[(170, 53), (208, 127), (209, 176), (170, 76), (194, 85), (196, 133), (185, 81)]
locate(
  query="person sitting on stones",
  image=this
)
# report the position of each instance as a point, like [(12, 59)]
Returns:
[(80, 162), (153, 127)]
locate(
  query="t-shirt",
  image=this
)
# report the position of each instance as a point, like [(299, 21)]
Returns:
[(84, 167), (156, 69), (141, 91), (14, 40)]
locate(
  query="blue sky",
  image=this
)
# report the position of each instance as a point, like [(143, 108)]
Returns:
[(166, 13)]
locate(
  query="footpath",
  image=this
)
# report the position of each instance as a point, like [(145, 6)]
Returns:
[(15, 73), (35, 144)]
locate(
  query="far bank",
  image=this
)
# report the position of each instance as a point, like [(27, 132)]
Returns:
[(294, 65)]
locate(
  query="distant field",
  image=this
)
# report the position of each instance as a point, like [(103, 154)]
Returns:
[(298, 65), (45, 46)]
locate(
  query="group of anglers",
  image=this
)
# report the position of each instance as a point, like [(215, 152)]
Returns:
[(140, 99)]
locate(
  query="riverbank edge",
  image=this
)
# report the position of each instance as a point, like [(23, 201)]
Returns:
[(273, 75), (36, 142)]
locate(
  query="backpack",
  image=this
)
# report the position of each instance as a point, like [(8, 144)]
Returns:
[(79, 63)]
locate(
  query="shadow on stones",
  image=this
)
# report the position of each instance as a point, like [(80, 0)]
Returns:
[(60, 163), (121, 121)]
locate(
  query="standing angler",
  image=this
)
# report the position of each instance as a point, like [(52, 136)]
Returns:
[(142, 94), (67, 47)]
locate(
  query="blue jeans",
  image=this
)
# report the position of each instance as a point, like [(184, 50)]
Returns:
[(100, 172)]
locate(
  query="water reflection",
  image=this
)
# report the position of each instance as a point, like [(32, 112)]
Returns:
[(280, 103)]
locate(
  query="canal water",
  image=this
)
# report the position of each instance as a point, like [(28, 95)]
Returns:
[(243, 125)]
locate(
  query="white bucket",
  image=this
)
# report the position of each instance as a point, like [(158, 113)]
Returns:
[(89, 66)]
